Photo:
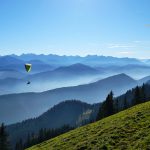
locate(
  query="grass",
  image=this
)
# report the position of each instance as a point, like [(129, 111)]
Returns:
[(129, 129)]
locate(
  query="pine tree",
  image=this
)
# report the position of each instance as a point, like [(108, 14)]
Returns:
[(41, 135), (4, 144), (125, 104), (28, 141), (143, 93), (107, 107), (137, 96), (116, 105), (110, 105), (19, 145)]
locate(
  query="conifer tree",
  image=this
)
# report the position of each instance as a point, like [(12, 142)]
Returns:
[(116, 105), (137, 96), (110, 105), (143, 93), (19, 145), (4, 144), (125, 104), (107, 107)]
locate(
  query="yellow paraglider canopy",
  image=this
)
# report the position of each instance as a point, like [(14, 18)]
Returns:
[(28, 67)]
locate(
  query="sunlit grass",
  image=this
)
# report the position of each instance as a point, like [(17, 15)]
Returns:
[(129, 129)]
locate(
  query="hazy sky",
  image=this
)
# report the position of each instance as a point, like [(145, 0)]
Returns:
[(75, 27)]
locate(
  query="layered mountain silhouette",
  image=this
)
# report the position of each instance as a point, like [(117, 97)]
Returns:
[(26, 105), (93, 60), (11, 73), (144, 80), (12, 63), (61, 73), (61, 77)]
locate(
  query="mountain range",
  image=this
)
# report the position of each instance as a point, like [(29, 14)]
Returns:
[(27, 105), (93, 60), (58, 78), (61, 77), (63, 71), (64, 76), (12, 63)]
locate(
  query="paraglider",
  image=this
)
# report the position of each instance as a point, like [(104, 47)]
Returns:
[(28, 69), (28, 82)]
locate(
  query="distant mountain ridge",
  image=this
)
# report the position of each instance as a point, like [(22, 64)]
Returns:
[(79, 67), (107, 66), (92, 60), (144, 80), (61, 77), (16, 63), (28, 105), (60, 73)]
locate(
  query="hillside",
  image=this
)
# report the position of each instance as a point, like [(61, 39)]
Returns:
[(67, 112), (129, 129)]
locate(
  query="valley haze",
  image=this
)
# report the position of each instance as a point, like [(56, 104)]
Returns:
[(88, 79)]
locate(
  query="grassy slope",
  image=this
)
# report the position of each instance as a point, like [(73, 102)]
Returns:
[(129, 129)]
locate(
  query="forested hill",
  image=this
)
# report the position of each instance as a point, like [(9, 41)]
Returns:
[(72, 112), (129, 129)]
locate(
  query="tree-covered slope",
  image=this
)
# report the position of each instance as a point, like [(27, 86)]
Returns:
[(129, 129), (72, 112)]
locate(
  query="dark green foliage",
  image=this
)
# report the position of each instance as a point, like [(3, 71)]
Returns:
[(143, 92), (116, 104), (44, 134), (137, 96), (107, 107), (4, 144), (19, 145), (111, 105), (125, 103)]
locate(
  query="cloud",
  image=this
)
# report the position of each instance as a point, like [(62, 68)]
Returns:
[(120, 46), (137, 41), (126, 52)]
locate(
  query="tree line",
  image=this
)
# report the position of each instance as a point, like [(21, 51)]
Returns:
[(43, 135), (4, 143), (114, 105)]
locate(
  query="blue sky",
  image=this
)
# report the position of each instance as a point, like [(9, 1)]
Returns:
[(75, 27)]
